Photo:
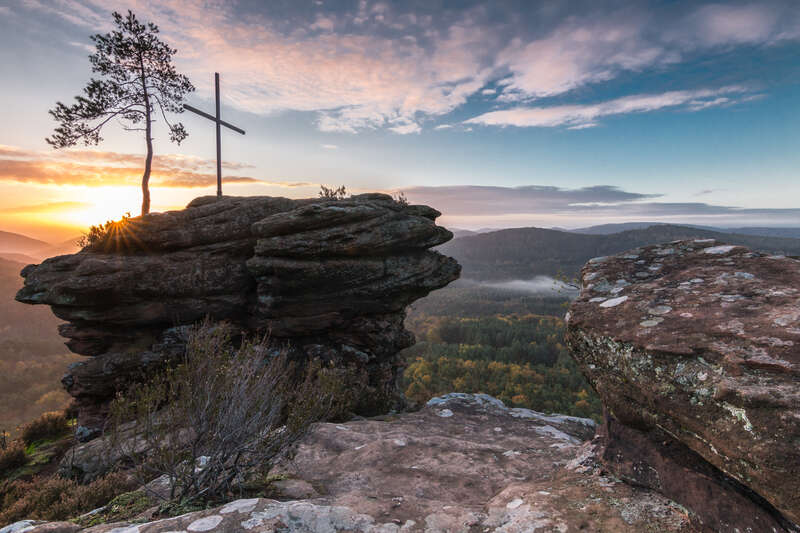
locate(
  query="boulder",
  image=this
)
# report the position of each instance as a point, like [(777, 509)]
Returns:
[(329, 278), (694, 349)]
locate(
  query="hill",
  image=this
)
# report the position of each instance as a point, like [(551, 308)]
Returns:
[(32, 355), (20, 244), (18, 258), (607, 229), (522, 253)]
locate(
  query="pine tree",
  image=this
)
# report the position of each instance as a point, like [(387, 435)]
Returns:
[(137, 78)]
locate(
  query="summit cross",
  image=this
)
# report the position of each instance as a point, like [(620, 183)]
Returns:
[(219, 122)]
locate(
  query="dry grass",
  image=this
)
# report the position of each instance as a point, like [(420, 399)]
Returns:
[(12, 457), (48, 426), (56, 498)]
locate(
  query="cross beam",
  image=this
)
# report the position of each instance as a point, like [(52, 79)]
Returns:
[(219, 122)]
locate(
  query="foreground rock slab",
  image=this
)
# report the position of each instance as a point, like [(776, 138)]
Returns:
[(332, 278), (694, 348), (462, 463)]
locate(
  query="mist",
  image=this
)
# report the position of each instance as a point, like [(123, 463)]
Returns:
[(541, 285)]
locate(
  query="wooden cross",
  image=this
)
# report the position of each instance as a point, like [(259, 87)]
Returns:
[(219, 123)]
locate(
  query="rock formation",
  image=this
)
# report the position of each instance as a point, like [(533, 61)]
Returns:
[(694, 348), (330, 278), (463, 463)]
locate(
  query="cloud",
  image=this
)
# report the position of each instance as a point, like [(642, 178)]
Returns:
[(330, 146), (98, 168), (389, 66), (50, 207), (487, 200), (475, 206), (585, 116)]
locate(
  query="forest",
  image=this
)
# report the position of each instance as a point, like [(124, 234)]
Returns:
[(503, 343)]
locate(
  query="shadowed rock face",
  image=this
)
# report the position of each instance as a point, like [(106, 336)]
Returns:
[(332, 277), (694, 347)]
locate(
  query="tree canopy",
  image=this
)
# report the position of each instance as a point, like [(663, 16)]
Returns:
[(137, 81)]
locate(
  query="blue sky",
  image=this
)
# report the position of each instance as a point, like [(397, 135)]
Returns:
[(497, 113)]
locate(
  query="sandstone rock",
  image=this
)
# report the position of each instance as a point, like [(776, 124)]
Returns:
[(694, 348), (331, 278), (462, 463), (33, 526)]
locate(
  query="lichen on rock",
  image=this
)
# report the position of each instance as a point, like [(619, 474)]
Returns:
[(697, 360)]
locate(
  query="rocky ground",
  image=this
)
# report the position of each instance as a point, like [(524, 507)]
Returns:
[(462, 463)]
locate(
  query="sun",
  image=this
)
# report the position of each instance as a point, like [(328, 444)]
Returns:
[(102, 204)]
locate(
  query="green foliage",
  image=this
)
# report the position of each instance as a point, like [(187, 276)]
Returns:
[(49, 425), (137, 76), (55, 498), (519, 358), (329, 193), (137, 79)]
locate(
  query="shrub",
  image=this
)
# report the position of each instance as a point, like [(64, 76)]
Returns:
[(329, 193), (48, 426), (12, 457), (222, 412), (100, 235), (56, 498)]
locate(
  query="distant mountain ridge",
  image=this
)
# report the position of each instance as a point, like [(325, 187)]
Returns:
[(608, 229), (18, 247), (20, 244), (523, 253)]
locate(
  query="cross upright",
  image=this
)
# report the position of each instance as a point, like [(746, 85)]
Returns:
[(219, 122)]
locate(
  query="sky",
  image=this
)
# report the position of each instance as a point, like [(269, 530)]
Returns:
[(499, 114)]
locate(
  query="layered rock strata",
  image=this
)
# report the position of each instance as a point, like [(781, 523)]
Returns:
[(694, 348), (329, 278)]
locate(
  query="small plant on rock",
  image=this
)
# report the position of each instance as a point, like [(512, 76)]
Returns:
[(329, 193), (100, 235)]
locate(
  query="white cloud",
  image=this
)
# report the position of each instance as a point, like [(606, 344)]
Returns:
[(586, 116), (330, 146), (394, 70)]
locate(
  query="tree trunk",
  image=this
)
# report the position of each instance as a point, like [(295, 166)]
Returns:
[(148, 162)]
